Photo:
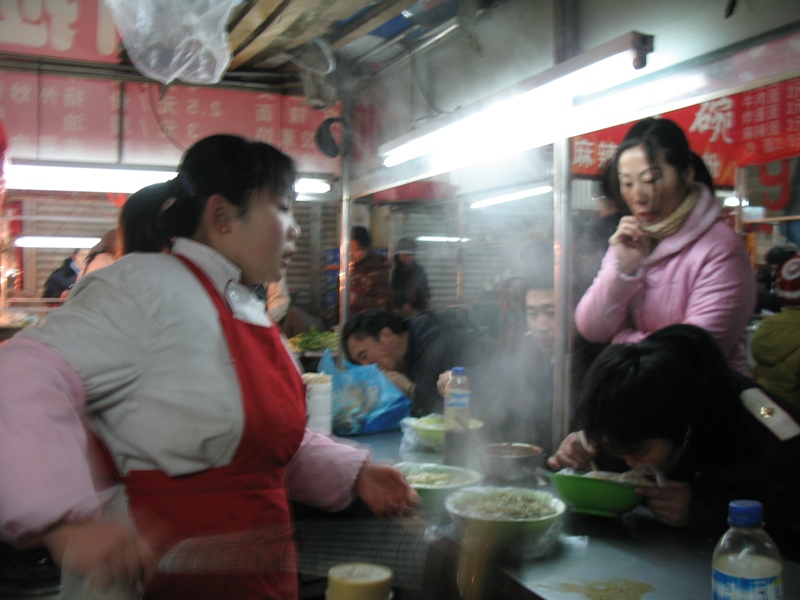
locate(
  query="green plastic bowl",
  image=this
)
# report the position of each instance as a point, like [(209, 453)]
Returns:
[(499, 528), (595, 496), (445, 480), (430, 428)]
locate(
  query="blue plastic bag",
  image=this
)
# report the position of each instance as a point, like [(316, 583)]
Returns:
[(364, 400)]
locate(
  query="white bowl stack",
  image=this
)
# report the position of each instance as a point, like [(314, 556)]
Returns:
[(319, 402)]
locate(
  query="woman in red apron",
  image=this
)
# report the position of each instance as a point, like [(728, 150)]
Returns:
[(250, 492), (232, 200)]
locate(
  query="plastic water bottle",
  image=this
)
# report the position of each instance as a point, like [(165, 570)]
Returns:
[(746, 562), (456, 418)]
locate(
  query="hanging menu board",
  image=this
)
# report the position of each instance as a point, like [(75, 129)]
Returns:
[(754, 127), (78, 120), (60, 28)]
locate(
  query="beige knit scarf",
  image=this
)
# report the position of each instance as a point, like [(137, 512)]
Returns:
[(673, 222)]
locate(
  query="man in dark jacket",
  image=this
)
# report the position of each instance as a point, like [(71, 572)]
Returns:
[(63, 278), (410, 290), (411, 352), (517, 382)]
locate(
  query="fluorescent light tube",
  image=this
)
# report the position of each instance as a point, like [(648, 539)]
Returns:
[(34, 241), (307, 185), (528, 193), (530, 119), (101, 179), (81, 179), (437, 238)]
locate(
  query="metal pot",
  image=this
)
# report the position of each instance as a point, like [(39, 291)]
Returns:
[(512, 461)]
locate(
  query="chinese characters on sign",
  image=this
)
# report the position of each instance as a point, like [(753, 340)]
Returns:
[(754, 127), (70, 29), (69, 119)]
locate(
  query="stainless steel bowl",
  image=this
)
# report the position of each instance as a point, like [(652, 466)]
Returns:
[(512, 461)]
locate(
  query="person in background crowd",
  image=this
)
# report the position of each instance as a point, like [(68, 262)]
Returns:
[(518, 382), (64, 277), (104, 253), (140, 221), (278, 299), (671, 404), (411, 352), (672, 260), (410, 291), (370, 286), (776, 343), (291, 319), (593, 244), (166, 364), (767, 277)]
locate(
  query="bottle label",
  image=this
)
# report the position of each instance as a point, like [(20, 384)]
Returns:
[(457, 400), (728, 587)]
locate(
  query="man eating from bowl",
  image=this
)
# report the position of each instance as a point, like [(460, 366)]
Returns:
[(411, 352), (672, 402)]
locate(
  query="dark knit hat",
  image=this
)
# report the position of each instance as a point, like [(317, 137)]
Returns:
[(406, 245), (788, 287)]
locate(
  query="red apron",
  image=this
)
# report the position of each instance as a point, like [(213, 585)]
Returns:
[(247, 494)]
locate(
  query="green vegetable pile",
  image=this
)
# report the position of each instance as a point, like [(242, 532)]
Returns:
[(314, 340)]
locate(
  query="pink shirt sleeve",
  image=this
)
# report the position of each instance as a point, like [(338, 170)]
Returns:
[(323, 473), (46, 476), (602, 312)]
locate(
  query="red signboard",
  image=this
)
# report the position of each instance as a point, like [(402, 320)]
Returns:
[(69, 119), (71, 29), (298, 126), (79, 119), (158, 129), (755, 127), (770, 119)]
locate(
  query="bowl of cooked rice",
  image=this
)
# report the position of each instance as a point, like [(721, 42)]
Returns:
[(505, 516)]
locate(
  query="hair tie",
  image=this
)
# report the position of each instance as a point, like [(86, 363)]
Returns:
[(186, 184)]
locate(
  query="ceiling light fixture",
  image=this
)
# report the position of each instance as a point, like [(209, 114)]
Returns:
[(439, 238), (85, 177), (79, 178), (527, 193), (44, 241), (531, 119)]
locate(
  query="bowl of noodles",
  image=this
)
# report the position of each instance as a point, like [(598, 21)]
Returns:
[(430, 428), (435, 482), (599, 492), (507, 517)]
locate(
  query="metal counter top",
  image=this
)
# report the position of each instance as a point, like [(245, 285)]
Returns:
[(642, 557)]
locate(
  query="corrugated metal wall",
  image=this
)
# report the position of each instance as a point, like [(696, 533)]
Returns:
[(492, 256), (91, 215), (58, 214), (319, 230)]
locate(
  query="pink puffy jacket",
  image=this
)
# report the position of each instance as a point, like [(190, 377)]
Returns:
[(701, 275)]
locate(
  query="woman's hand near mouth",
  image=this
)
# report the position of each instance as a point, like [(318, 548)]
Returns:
[(631, 245)]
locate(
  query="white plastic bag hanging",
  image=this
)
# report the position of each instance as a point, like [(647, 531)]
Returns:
[(175, 39)]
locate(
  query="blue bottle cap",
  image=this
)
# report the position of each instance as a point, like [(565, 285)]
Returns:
[(745, 513), (458, 370)]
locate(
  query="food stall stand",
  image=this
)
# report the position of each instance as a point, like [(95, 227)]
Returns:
[(276, 116), (629, 558)]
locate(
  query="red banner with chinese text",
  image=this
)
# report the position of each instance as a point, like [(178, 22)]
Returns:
[(77, 120), (70, 29), (754, 127)]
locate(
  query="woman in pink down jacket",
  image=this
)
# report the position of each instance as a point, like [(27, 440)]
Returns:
[(673, 260)]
